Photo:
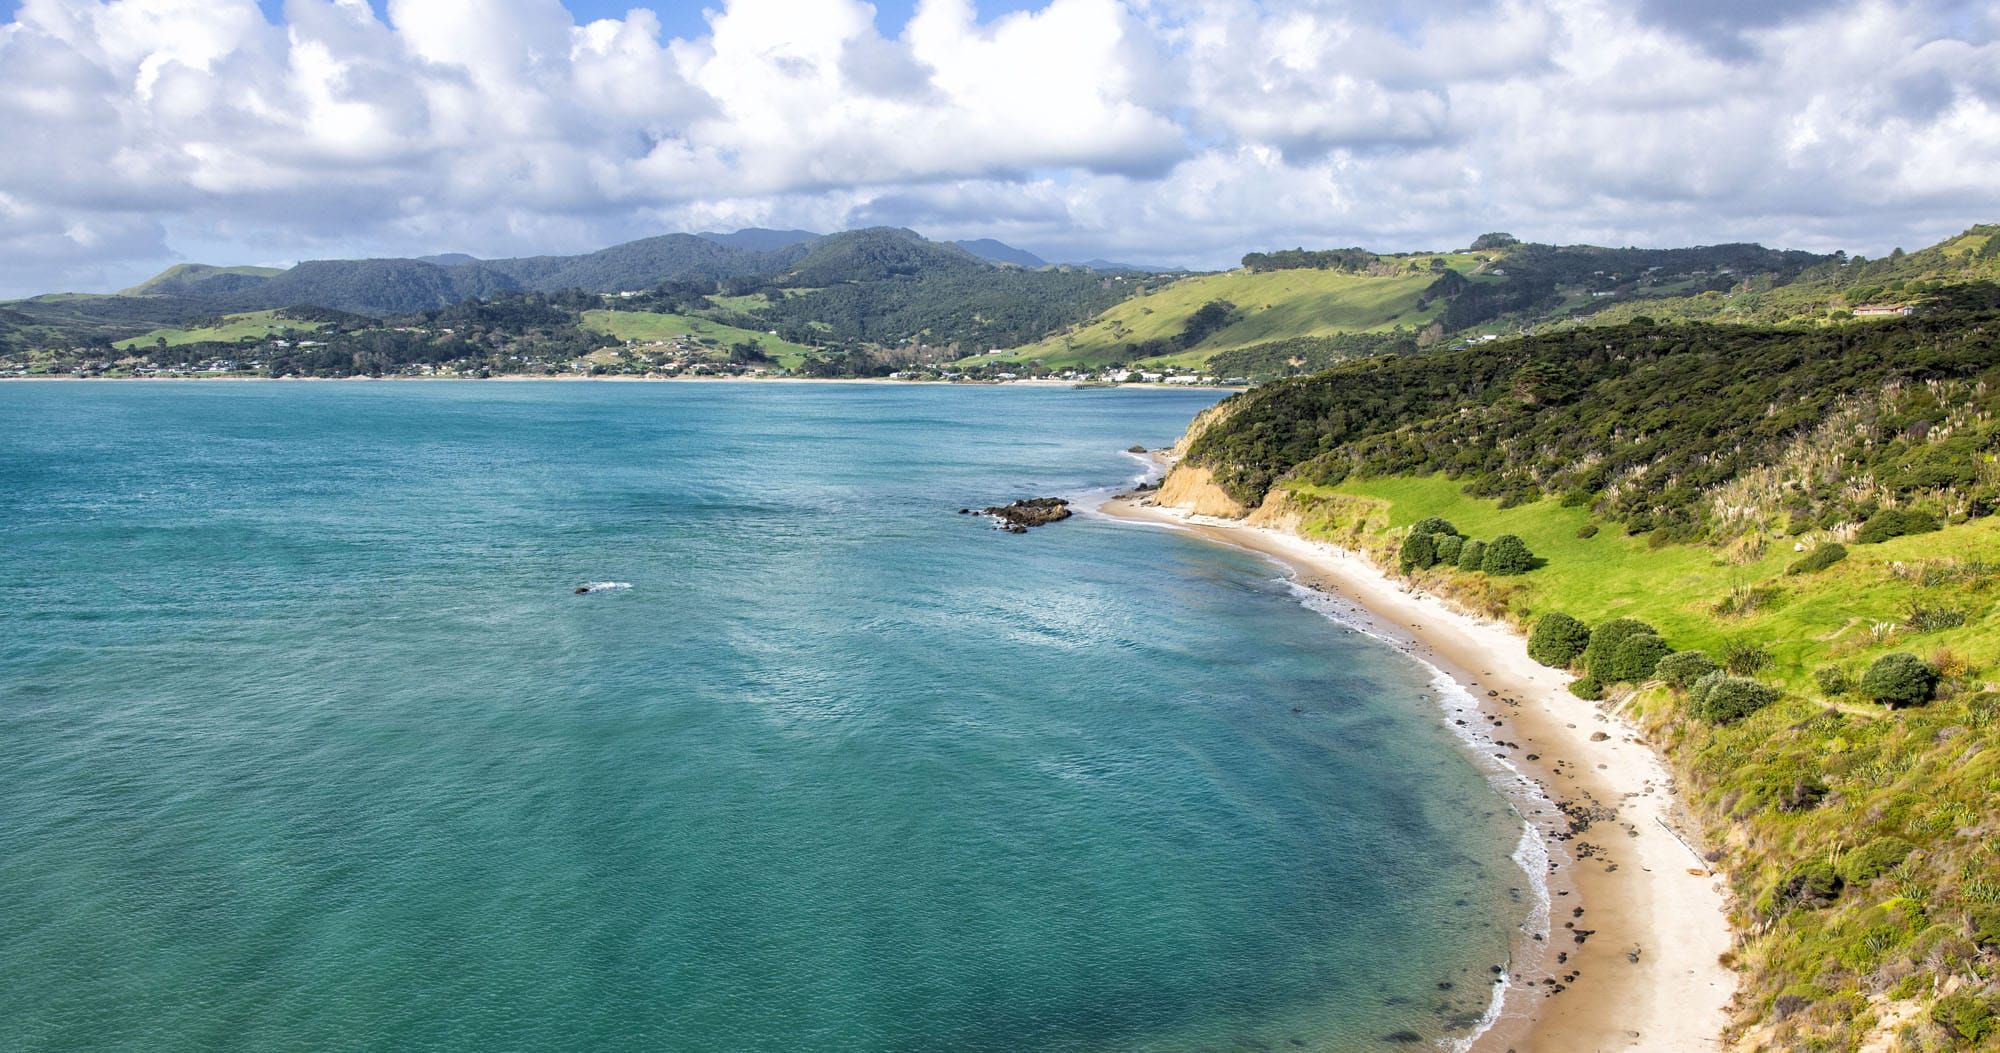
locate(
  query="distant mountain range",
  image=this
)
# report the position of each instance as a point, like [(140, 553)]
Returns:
[(383, 287), (885, 288)]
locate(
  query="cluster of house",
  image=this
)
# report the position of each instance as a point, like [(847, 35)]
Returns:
[(1078, 376), (1883, 310)]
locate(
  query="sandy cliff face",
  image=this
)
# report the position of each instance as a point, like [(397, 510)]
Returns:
[(1192, 487)]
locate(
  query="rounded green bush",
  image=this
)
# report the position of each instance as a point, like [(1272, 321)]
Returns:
[(1419, 553), (1449, 547), (1726, 699), (1966, 1016), (1604, 641), (1820, 558), (1899, 679), (1434, 525), (1558, 640), (1635, 659), (1472, 556), (1895, 522), (1588, 688), (1743, 657), (1682, 668), (1873, 859), (1985, 925), (1832, 680), (1810, 885), (1508, 555)]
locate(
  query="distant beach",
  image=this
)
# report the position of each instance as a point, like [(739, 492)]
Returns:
[(1629, 958)]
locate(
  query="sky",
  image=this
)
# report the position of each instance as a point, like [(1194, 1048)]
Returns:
[(139, 133)]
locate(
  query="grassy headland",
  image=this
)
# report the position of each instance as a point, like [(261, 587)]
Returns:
[(1262, 306)]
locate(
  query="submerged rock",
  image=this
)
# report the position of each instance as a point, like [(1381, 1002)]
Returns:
[(1033, 512)]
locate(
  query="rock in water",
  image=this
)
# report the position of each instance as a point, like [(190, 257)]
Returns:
[(1033, 512)]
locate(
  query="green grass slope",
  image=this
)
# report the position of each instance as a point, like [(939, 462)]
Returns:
[(228, 329), (1270, 305), (658, 327), (183, 279)]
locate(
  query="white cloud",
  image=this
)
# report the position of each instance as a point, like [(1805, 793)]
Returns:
[(1182, 131)]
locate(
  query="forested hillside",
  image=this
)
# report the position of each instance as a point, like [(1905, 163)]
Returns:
[(1691, 430)]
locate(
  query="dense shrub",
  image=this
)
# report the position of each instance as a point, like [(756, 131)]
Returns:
[(1558, 640), (1682, 668), (1985, 924), (1820, 558), (1719, 698), (1635, 659), (1873, 859), (1810, 885), (1472, 555), (1923, 619), (1743, 657), (1434, 525), (1449, 548), (1899, 679), (1587, 531), (1895, 522), (1419, 553), (1588, 688), (1506, 556), (1966, 1016), (1604, 641), (1832, 680)]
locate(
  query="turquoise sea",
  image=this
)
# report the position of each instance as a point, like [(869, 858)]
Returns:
[(307, 742)]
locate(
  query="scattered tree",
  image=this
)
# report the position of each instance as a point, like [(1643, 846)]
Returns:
[(1900, 679), (1635, 659), (1508, 555), (1821, 557), (1605, 639), (1896, 522), (1682, 668), (1419, 553), (1832, 681), (1433, 525), (1558, 640), (1744, 658), (1719, 698)]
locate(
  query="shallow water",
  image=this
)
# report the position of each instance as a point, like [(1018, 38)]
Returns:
[(307, 741)]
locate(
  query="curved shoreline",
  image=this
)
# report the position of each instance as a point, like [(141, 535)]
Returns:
[(1631, 956)]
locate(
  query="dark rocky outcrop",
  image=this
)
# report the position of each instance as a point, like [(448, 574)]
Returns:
[(1033, 512)]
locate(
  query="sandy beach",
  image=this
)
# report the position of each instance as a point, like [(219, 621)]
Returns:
[(1629, 955)]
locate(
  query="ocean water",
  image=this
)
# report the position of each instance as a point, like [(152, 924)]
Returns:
[(307, 742)]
